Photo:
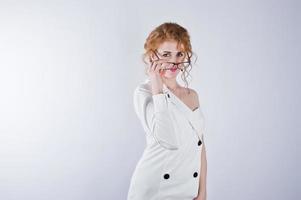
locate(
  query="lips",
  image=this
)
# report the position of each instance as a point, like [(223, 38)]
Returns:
[(173, 69)]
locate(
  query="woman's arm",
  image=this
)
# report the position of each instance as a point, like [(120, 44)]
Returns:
[(153, 112), (202, 195)]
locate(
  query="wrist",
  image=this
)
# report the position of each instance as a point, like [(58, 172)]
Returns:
[(157, 91)]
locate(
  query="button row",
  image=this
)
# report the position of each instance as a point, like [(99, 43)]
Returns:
[(166, 176), (195, 174)]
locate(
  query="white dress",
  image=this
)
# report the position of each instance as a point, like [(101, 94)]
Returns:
[(169, 168)]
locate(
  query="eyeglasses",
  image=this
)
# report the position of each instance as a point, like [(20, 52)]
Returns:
[(179, 65)]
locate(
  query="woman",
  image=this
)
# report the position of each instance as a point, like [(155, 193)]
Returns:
[(173, 165)]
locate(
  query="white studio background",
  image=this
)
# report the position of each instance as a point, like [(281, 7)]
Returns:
[(68, 69)]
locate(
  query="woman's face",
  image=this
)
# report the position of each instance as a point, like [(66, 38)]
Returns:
[(168, 51)]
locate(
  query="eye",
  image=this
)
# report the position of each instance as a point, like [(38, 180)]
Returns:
[(180, 54), (165, 55)]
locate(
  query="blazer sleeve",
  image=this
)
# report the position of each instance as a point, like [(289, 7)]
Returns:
[(152, 111)]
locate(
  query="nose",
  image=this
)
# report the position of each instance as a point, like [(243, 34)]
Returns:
[(172, 62), (174, 59)]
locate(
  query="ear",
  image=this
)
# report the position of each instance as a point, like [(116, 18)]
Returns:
[(150, 59)]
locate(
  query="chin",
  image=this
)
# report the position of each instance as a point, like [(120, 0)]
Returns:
[(170, 76)]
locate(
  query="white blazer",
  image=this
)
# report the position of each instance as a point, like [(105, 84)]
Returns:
[(169, 167)]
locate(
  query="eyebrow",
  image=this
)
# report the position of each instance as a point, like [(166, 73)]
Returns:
[(170, 51)]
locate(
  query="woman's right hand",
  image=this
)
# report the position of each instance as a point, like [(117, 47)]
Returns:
[(155, 72)]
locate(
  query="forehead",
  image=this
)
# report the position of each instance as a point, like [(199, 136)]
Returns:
[(171, 46)]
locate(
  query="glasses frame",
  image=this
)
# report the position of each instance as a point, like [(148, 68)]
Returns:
[(177, 64)]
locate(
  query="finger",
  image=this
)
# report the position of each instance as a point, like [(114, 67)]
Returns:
[(158, 67), (161, 61), (156, 64), (150, 59), (153, 67), (154, 58), (165, 65), (158, 60), (150, 67)]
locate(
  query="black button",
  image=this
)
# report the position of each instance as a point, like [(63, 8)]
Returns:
[(200, 142), (195, 174), (168, 95), (166, 176)]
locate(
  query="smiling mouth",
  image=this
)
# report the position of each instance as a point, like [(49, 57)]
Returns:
[(173, 69)]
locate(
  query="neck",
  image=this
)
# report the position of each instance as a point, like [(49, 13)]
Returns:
[(171, 84)]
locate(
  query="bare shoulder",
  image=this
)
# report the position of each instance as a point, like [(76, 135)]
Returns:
[(193, 97), (193, 92)]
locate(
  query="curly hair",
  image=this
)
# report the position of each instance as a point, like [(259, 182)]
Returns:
[(166, 32)]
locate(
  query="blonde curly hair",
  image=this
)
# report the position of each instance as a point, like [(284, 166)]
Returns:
[(166, 32)]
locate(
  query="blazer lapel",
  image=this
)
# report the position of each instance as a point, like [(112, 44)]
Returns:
[(179, 105), (197, 121), (194, 118)]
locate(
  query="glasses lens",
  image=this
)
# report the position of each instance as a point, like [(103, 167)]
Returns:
[(183, 65), (167, 65), (159, 56), (186, 64)]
